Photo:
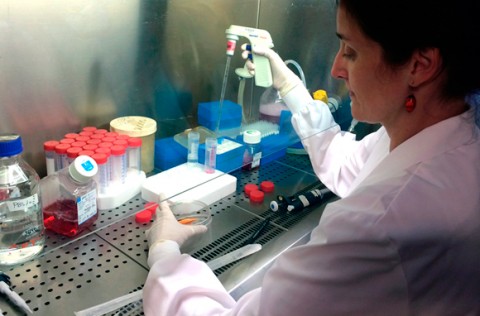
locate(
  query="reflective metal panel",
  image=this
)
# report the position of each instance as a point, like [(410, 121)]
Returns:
[(68, 64)]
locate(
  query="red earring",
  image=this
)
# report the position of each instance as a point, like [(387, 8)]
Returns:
[(410, 103)]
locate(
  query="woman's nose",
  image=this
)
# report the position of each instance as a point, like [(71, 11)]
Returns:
[(338, 70)]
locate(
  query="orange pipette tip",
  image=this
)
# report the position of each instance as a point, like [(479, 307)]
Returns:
[(186, 221)]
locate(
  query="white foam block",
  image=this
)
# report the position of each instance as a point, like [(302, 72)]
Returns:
[(184, 182), (116, 195)]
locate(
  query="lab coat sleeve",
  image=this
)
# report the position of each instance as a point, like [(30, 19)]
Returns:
[(350, 267), (336, 156), (179, 285)]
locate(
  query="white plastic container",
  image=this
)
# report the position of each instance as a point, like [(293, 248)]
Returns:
[(139, 126)]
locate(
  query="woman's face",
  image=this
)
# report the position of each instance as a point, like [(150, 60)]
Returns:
[(377, 92)]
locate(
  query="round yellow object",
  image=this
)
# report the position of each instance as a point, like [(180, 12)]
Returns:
[(320, 95)]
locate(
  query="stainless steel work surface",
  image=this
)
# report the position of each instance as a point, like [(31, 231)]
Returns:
[(111, 260)]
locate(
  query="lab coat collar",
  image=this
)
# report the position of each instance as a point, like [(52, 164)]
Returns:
[(430, 142)]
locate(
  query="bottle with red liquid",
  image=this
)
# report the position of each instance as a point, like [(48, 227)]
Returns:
[(69, 197), (253, 149)]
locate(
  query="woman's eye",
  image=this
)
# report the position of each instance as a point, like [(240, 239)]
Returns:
[(348, 53)]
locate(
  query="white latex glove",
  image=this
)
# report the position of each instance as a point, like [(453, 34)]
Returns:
[(284, 79), (166, 227)]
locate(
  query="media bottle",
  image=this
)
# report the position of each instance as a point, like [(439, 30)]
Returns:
[(253, 149), (21, 223), (69, 197)]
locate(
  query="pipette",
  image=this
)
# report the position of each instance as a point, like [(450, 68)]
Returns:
[(12, 295), (299, 202), (263, 72)]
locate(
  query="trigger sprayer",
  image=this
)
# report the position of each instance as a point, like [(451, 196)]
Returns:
[(263, 72)]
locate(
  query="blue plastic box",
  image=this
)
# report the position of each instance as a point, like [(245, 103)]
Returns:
[(231, 116), (169, 153), (229, 154)]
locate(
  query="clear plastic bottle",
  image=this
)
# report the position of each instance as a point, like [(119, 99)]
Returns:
[(253, 149), (21, 223), (69, 197)]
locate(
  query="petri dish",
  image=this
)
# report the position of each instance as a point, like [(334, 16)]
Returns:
[(191, 212)]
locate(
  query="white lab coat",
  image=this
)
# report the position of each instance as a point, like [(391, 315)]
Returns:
[(403, 240)]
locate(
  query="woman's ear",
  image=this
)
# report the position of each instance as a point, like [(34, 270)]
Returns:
[(426, 65)]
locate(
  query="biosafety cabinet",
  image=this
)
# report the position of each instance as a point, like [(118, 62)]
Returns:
[(70, 64)]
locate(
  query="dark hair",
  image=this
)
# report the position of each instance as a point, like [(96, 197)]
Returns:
[(403, 26)]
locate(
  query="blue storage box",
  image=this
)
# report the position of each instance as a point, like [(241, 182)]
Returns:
[(231, 116), (273, 147), (229, 154), (169, 153)]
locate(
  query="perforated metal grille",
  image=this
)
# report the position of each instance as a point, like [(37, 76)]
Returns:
[(110, 260)]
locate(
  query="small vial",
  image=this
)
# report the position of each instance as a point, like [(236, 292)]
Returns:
[(134, 154), (121, 142), (105, 145), (49, 150), (85, 134), (84, 152), (71, 135), (94, 141), (102, 176), (61, 159), (108, 152), (90, 147), (101, 131), (118, 165), (82, 139), (253, 151), (193, 141), (78, 144), (90, 129), (67, 141), (72, 154), (97, 136), (111, 134), (210, 154), (122, 136), (109, 139)]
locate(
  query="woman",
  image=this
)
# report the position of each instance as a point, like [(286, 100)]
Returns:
[(405, 237)]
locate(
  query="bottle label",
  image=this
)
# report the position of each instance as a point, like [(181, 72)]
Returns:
[(23, 204), (256, 160), (87, 206)]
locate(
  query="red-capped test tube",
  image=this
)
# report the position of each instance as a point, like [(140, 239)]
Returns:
[(72, 154), (61, 159), (49, 150), (134, 154), (102, 176), (118, 165)]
